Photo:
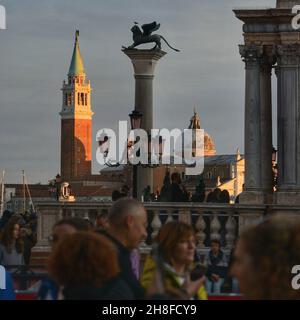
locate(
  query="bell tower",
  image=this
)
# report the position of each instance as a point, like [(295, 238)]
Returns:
[(76, 120)]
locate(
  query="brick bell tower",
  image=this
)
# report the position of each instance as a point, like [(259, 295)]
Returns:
[(76, 120)]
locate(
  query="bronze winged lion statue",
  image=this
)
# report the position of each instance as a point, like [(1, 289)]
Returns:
[(146, 36)]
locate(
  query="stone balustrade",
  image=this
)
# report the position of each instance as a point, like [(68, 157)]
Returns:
[(210, 221)]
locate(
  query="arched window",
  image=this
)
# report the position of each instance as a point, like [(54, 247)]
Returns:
[(79, 99), (69, 101)]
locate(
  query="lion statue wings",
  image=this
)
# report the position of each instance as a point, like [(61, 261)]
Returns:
[(146, 36)]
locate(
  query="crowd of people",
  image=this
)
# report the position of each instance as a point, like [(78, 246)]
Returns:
[(173, 190), (103, 261)]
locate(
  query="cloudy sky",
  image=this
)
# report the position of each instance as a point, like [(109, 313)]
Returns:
[(35, 54)]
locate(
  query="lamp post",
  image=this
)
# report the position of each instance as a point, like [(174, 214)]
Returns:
[(274, 168), (136, 121)]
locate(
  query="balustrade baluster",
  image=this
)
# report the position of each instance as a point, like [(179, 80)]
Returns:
[(215, 227), (156, 224), (230, 231), (200, 234)]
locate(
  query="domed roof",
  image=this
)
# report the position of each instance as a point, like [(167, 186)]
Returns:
[(209, 145)]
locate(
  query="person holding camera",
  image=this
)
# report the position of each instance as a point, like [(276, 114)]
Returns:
[(168, 270)]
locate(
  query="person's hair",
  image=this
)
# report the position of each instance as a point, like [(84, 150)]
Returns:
[(79, 224), (217, 193), (217, 241), (224, 196), (210, 197), (274, 248), (7, 240), (83, 259), (116, 195), (175, 177), (121, 208), (170, 235)]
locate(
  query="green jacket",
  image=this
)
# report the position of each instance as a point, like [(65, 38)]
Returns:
[(171, 280)]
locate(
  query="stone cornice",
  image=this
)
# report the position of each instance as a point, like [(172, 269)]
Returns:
[(270, 15)]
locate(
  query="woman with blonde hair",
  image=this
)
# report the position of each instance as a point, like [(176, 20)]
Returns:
[(171, 263)]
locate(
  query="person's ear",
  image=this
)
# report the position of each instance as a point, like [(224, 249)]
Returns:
[(129, 221)]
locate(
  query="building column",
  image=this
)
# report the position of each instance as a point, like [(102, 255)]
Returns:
[(253, 192), (266, 124), (288, 79), (144, 63)]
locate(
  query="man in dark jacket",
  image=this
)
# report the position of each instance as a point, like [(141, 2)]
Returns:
[(127, 227), (178, 192)]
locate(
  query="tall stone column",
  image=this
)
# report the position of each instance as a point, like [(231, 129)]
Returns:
[(253, 192), (144, 63), (266, 124), (288, 115)]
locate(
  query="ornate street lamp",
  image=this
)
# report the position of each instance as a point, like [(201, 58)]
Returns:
[(135, 121), (274, 168), (274, 155), (104, 144)]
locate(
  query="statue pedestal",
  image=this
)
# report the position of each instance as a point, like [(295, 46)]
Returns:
[(144, 63), (288, 198), (255, 197)]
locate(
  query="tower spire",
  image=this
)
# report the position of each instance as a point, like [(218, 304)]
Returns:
[(195, 121), (76, 66)]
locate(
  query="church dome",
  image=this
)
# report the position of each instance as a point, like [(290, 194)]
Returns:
[(209, 145)]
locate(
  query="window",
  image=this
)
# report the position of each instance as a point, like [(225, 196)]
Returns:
[(78, 98), (69, 99), (232, 172), (82, 99), (86, 99)]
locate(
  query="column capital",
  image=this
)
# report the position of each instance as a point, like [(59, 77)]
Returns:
[(144, 61), (251, 54), (288, 55)]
